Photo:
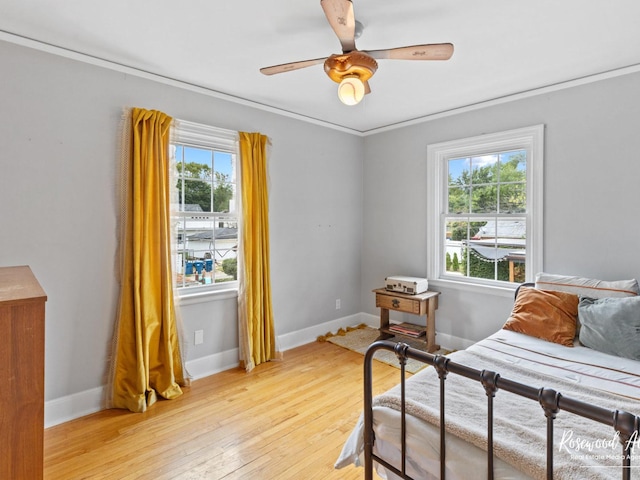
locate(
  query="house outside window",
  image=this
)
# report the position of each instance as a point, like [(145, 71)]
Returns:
[(485, 210), (205, 209)]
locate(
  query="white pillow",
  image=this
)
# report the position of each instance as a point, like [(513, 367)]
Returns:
[(587, 287)]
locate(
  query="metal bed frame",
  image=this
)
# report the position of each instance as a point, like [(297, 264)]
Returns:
[(626, 424)]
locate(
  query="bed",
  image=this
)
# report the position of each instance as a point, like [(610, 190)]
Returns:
[(565, 366)]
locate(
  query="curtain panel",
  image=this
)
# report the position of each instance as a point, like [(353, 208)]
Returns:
[(146, 359), (255, 313)]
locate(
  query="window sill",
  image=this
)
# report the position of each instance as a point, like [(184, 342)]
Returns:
[(193, 297), (495, 290)]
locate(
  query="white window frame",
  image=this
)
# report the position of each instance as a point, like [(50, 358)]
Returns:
[(530, 139), (223, 140)]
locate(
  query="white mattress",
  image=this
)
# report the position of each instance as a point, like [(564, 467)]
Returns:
[(579, 365)]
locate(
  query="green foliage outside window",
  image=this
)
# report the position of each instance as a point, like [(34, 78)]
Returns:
[(230, 267), (197, 187), (490, 188), (482, 269), (455, 263)]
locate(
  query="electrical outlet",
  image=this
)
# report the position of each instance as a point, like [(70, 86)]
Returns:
[(198, 337), (337, 304)]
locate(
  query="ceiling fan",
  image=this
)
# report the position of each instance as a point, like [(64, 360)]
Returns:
[(353, 68)]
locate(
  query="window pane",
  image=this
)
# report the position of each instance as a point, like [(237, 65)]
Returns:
[(197, 246), (195, 195), (484, 194), (224, 183), (458, 200), (206, 251), (456, 236), (506, 232), (223, 163), (456, 230), (484, 199), (226, 247), (512, 195), (497, 251), (459, 185), (459, 171), (489, 249), (482, 263), (484, 169), (513, 166), (194, 179), (475, 228), (513, 198), (197, 163)]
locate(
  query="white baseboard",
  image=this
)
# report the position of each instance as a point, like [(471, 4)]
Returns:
[(73, 406), (216, 363), (79, 404), (307, 335)]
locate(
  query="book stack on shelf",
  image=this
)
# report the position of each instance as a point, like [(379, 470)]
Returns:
[(408, 329)]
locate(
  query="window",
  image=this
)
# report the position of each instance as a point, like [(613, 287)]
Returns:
[(205, 213), (485, 212)]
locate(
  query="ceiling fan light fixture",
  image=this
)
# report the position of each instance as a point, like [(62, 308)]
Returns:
[(353, 68), (351, 90)]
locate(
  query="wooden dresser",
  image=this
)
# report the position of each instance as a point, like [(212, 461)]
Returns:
[(21, 374)]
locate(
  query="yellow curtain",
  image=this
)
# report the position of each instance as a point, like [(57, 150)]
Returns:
[(255, 315), (146, 360)]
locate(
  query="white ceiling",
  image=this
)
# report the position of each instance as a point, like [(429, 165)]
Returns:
[(502, 47)]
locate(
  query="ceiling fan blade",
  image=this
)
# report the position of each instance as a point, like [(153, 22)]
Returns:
[(433, 51), (342, 19), (367, 88), (287, 67)]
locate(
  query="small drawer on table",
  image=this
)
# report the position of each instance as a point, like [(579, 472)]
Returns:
[(396, 303)]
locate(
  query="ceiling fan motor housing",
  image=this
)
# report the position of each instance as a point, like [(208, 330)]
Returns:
[(355, 63)]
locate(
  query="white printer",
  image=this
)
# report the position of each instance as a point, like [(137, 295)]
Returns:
[(410, 285)]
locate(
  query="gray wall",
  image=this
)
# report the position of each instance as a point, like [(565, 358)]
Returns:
[(59, 133), (592, 194)]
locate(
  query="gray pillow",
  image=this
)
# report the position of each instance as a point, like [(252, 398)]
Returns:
[(611, 325)]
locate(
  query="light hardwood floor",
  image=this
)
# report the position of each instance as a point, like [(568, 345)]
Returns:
[(284, 420)]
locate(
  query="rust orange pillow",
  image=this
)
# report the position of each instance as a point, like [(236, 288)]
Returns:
[(545, 314)]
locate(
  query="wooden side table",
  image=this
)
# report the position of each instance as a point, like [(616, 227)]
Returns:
[(425, 303)]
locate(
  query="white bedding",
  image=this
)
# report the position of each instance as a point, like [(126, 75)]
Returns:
[(579, 372)]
